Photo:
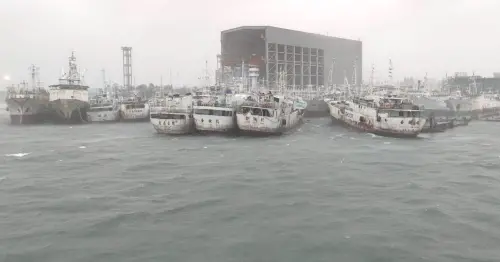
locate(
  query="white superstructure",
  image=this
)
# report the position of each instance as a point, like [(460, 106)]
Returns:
[(134, 109), (386, 116), (69, 100), (175, 116), (218, 114)]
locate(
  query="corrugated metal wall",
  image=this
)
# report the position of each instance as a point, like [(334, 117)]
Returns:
[(306, 58)]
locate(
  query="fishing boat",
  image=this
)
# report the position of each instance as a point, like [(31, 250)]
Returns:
[(217, 113), (174, 116), (134, 109), (103, 108), (69, 100), (269, 114), (28, 105), (381, 115)]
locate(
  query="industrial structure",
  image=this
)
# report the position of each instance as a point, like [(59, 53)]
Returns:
[(127, 67), (306, 58), (473, 84)]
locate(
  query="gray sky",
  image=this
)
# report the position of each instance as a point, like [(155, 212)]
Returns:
[(434, 36)]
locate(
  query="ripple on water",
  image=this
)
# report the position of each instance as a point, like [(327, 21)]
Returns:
[(323, 193)]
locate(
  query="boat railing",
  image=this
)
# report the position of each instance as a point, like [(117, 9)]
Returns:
[(69, 86), (257, 104), (199, 103), (157, 110)]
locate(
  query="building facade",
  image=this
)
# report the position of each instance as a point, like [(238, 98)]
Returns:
[(465, 83), (305, 58)]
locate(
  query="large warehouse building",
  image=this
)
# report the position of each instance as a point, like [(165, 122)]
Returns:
[(305, 57)]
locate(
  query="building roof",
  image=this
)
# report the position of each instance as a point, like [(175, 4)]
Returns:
[(264, 27)]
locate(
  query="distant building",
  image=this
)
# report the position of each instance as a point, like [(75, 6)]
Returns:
[(465, 83), (306, 58)]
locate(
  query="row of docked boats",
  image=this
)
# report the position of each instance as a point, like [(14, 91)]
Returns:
[(68, 101), (396, 116), (244, 113)]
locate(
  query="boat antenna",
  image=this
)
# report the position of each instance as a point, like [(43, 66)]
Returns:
[(354, 73), (390, 71)]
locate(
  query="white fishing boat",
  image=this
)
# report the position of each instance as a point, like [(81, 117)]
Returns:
[(103, 108), (269, 115), (218, 114), (134, 108), (28, 105), (386, 116), (174, 116), (69, 100)]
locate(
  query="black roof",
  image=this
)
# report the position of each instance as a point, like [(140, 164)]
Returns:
[(66, 86), (263, 27)]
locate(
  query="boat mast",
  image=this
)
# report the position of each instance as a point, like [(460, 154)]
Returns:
[(243, 79), (330, 75), (347, 88), (104, 86), (161, 86), (370, 91), (73, 74), (426, 88), (354, 76), (390, 72)]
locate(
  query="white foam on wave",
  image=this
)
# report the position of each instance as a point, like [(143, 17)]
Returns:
[(82, 147), (17, 155)]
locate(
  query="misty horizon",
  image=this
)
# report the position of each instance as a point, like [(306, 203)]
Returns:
[(433, 37)]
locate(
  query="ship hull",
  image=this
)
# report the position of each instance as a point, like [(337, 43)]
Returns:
[(215, 125), (316, 108), (394, 127), (265, 126), (224, 122), (27, 110), (69, 111), (379, 132), (134, 114), (103, 116), (164, 124)]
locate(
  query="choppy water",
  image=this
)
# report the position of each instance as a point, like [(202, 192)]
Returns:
[(119, 192)]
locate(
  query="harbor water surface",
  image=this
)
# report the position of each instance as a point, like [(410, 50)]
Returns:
[(120, 192)]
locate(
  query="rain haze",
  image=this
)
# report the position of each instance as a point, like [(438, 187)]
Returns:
[(436, 37), (296, 150)]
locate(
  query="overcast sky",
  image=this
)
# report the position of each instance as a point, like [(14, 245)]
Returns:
[(434, 36)]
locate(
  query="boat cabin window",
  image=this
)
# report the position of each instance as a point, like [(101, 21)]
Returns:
[(257, 111), (212, 112), (173, 116), (408, 114), (100, 109), (245, 110), (134, 106)]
